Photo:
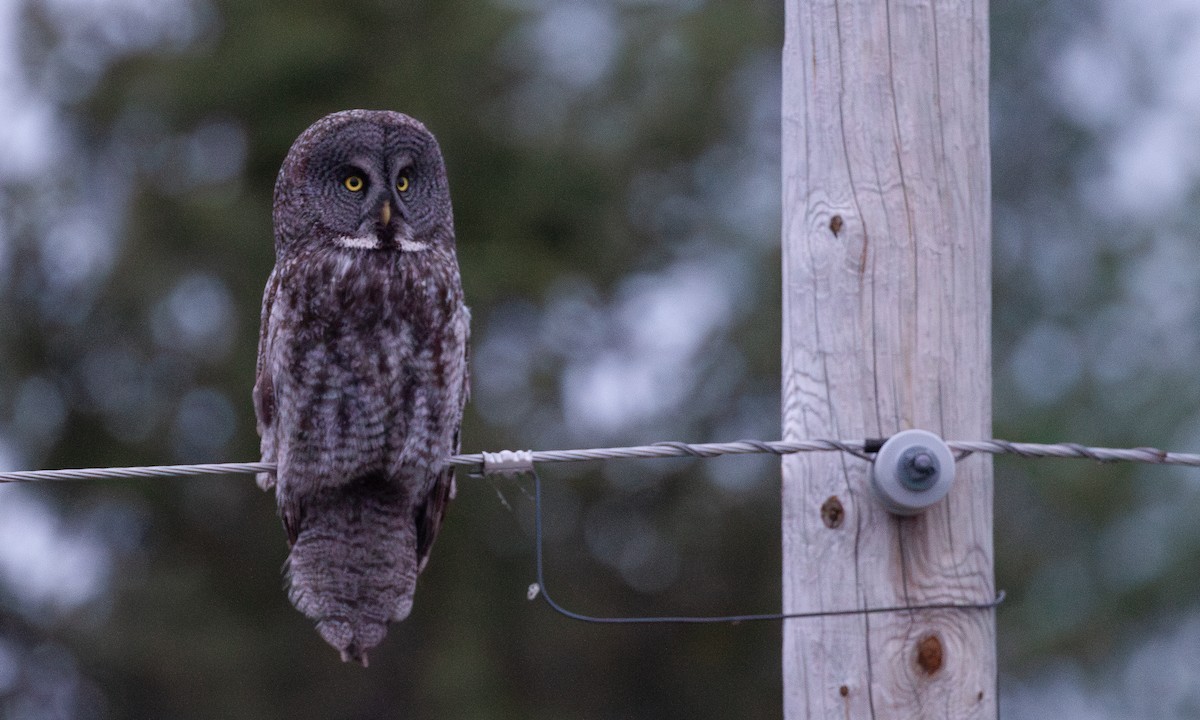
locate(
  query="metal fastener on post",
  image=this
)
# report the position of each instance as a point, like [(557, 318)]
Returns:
[(913, 470)]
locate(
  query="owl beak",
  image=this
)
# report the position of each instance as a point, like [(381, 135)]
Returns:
[(385, 214)]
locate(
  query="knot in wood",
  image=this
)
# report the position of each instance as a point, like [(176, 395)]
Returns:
[(832, 513), (930, 654), (835, 224)]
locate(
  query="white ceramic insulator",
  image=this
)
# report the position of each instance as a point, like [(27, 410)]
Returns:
[(886, 474)]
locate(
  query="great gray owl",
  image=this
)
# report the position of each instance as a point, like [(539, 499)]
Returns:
[(362, 368)]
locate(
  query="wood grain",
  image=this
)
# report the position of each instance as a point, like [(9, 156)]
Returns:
[(887, 313)]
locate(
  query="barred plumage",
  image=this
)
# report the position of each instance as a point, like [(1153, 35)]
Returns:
[(362, 371)]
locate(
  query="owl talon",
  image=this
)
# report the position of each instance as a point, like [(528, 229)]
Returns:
[(347, 656)]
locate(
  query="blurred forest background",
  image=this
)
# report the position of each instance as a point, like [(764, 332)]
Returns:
[(614, 167)]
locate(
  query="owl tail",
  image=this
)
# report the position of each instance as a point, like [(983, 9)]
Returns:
[(353, 564)]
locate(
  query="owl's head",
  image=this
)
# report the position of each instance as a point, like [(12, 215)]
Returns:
[(363, 181)]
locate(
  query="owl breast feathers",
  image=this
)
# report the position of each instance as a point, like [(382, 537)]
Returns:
[(362, 369)]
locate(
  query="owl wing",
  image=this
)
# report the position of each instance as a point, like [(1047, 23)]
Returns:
[(431, 513), (264, 385), (433, 510)]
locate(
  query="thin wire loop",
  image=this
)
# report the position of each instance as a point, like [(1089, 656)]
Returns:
[(541, 589)]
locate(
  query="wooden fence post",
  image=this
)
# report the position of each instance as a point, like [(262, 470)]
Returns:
[(887, 314)]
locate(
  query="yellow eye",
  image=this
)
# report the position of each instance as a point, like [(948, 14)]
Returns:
[(354, 183), (402, 183)]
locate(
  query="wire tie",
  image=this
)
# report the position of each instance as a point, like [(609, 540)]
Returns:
[(507, 463)]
